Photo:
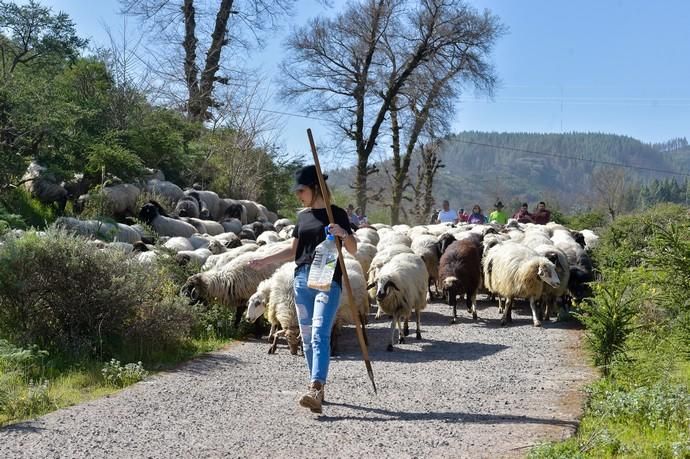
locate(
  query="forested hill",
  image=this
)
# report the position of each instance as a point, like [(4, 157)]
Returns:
[(529, 166), (481, 166)]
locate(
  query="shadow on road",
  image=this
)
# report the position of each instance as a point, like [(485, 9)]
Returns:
[(380, 414)]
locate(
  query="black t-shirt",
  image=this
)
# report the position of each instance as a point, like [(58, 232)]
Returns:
[(310, 232)]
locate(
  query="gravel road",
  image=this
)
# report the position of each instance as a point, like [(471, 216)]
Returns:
[(472, 389)]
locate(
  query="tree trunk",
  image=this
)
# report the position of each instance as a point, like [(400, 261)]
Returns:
[(398, 178), (201, 90)]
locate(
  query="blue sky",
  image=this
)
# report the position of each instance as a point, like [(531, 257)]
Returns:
[(609, 66)]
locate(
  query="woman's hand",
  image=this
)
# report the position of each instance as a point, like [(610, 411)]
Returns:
[(337, 231), (257, 263)]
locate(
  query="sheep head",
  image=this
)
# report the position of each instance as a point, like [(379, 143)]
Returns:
[(547, 272), (148, 213), (445, 240), (194, 289), (256, 306), (234, 211), (294, 339), (183, 259), (216, 247), (383, 289)]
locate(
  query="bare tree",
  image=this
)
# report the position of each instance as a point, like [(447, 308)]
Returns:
[(610, 186), (353, 68), (201, 29), (423, 187)]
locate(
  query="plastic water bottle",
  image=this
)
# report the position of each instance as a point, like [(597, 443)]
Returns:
[(323, 266)]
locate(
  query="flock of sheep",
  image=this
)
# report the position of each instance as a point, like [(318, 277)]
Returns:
[(398, 269)]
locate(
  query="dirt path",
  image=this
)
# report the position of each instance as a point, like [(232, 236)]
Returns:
[(465, 390)]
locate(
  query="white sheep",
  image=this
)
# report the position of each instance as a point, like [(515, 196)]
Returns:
[(167, 190), (275, 300), (198, 256), (268, 237), (215, 261), (591, 239), (512, 271), (401, 287), (369, 235), (154, 215), (551, 295), (178, 244), (428, 248), (42, 185), (232, 284), (393, 237), (365, 255), (382, 257), (281, 223), (232, 225)]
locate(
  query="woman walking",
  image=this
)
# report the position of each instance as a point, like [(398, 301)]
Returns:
[(316, 310)]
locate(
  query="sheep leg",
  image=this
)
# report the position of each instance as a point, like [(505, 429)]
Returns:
[(274, 344), (401, 335), (406, 328), (500, 305), (274, 327), (533, 306), (506, 313), (393, 325), (419, 323), (472, 304), (453, 302)]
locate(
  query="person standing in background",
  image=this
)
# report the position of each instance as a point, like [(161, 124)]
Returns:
[(447, 215), (523, 215), (541, 216), (498, 215), (476, 216), (462, 216)]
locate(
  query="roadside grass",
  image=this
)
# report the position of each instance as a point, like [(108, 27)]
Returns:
[(638, 335), (29, 392)]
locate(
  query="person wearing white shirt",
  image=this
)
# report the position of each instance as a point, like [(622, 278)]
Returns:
[(447, 215)]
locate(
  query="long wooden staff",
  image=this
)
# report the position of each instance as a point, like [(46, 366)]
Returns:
[(341, 260)]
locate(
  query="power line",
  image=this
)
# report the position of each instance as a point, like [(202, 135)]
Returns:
[(521, 150), (575, 158)]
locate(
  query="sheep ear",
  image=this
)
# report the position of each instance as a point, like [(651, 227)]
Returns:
[(390, 284)]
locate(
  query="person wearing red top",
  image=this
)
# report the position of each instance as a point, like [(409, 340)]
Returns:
[(463, 216), (523, 215), (541, 216)]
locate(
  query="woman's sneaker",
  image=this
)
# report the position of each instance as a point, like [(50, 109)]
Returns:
[(313, 398)]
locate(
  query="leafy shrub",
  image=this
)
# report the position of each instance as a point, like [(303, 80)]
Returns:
[(76, 301), (27, 361), (609, 320), (21, 210), (18, 401), (120, 376), (114, 160), (654, 406), (585, 220)]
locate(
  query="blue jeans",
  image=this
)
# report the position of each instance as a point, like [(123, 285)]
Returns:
[(316, 312)]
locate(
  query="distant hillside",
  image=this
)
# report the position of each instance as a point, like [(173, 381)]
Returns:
[(514, 167)]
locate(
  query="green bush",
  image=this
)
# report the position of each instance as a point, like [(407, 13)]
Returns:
[(585, 220), (121, 376), (21, 210), (78, 302), (609, 320)]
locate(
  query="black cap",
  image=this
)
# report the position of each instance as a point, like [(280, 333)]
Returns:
[(499, 205), (306, 176)]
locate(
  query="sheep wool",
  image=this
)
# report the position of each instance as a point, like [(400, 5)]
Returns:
[(514, 271), (401, 286)]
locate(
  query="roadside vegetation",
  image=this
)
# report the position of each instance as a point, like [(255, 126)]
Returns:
[(77, 322), (638, 336)]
